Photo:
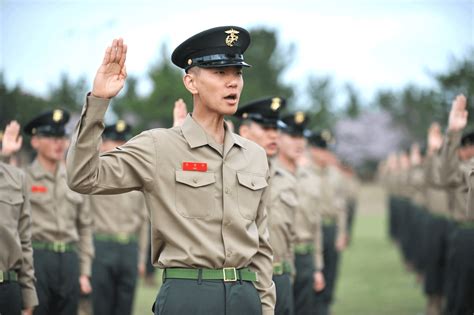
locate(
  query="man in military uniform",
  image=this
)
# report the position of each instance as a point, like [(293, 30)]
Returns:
[(333, 210), (308, 250), (120, 239), (17, 279), (454, 171), (260, 123), (205, 187), (61, 222)]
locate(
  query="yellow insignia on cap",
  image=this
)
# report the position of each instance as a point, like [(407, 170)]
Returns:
[(232, 37), (120, 126), (299, 117), (245, 115), (33, 131), (276, 103), (190, 61), (326, 135), (57, 115)]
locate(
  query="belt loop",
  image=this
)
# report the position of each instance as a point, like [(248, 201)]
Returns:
[(240, 276), (199, 276), (163, 276)]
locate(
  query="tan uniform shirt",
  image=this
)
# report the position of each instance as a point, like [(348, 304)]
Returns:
[(454, 174), (124, 214), (417, 184), (212, 218), (333, 202), (308, 217), (15, 233), (281, 212), (58, 213), (436, 195)]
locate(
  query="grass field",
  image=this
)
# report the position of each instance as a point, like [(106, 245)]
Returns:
[(372, 279)]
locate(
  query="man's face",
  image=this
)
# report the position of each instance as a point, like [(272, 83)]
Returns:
[(321, 156), (50, 148), (292, 147), (466, 153), (266, 137), (218, 89), (109, 145)]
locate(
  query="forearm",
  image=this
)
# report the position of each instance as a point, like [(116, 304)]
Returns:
[(448, 167)]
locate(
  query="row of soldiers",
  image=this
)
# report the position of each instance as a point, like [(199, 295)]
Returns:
[(430, 213), (240, 224)]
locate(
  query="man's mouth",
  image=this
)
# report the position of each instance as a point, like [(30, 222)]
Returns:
[(231, 97)]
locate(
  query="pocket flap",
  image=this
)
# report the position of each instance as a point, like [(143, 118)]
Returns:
[(195, 179), (289, 198), (251, 181), (11, 197)]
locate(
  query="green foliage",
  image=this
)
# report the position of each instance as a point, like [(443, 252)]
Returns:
[(353, 106), (320, 91)]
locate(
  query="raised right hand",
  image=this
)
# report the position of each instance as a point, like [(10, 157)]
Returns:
[(458, 114), (179, 112), (435, 138), (12, 140), (111, 75)]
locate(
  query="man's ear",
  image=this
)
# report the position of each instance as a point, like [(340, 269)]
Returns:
[(34, 142), (244, 130), (189, 81)]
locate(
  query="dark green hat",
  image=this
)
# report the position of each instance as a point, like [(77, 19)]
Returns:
[(120, 131), (467, 138), (216, 47), (265, 112), (295, 124), (50, 124), (320, 139)]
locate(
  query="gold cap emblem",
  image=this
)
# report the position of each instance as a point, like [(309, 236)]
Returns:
[(57, 115), (299, 117), (231, 37), (190, 61), (120, 126), (326, 135), (245, 115), (276, 103)]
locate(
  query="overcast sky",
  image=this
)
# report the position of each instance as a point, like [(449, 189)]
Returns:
[(373, 44)]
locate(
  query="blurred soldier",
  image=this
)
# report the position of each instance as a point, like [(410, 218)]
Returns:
[(438, 226), (120, 239), (333, 210), (260, 122), (205, 187), (61, 221), (308, 244), (454, 171), (17, 279)]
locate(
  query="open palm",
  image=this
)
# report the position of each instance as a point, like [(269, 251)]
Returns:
[(111, 75)]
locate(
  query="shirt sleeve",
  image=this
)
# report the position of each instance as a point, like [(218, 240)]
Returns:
[(143, 233), (86, 247), (126, 168), (26, 274), (262, 262), (318, 244), (448, 169)]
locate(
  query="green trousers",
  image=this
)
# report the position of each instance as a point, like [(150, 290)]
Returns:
[(182, 296), (284, 293), (304, 295), (10, 298), (57, 282), (114, 277)]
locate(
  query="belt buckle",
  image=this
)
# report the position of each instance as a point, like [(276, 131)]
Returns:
[(1, 277), (59, 247), (226, 279), (123, 238), (278, 269)]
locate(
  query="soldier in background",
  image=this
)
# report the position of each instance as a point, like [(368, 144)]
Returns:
[(260, 123), (309, 278), (334, 213), (61, 221), (454, 171), (120, 239), (17, 279)]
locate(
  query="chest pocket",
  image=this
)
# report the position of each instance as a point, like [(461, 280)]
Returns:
[(195, 194), (289, 199), (249, 194), (10, 206)]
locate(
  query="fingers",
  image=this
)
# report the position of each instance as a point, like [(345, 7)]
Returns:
[(459, 103), (123, 54), (116, 53)]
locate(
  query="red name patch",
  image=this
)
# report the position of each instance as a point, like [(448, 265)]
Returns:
[(40, 189), (195, 166)]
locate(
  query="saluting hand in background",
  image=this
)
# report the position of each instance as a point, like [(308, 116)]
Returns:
[(458, 114)]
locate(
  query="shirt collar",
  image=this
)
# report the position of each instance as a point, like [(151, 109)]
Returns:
[(38, 172), (196, 136)]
